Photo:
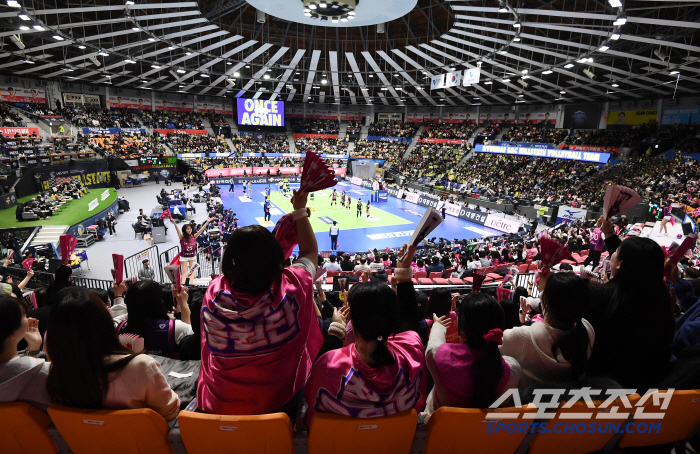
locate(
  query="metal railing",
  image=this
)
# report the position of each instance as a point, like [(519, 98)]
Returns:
[(134, 263)]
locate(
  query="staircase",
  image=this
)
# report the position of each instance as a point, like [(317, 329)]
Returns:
[(364, 132), (49, 234), (465, 158), (343, 131), (410, 148), (234, 126), (290, 141), (231, 146)]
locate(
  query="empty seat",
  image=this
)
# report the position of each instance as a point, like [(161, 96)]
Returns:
[(24, 430), (219, 434), (140, 431), (339, 434)]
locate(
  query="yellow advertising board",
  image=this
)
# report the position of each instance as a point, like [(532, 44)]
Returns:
[(631, 117)]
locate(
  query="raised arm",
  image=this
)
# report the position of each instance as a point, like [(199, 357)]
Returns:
[(408, 303), (305, 234), (203, 227), (177, 229)]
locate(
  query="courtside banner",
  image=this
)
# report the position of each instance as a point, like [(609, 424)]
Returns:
[(181, 131), (478, 217), (572, 155), (250, 171), (529, 145), (502, 224), (427, 201)]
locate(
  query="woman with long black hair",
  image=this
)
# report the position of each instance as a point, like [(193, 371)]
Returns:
[(558, 347), (90, 368), (632, 314), (472, 373)]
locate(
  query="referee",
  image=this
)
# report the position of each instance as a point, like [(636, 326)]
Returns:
[(334, 236)]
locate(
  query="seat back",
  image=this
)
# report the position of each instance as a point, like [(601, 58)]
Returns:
[(217, 434), (419, 274), (467, 429), (332, 273), (680, 418), (342, 434), (435, 274), (141, 431), (573, 432), (24, 429)]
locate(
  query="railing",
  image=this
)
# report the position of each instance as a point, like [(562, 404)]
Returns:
[(164, 260), (92, 283), (134, 263)]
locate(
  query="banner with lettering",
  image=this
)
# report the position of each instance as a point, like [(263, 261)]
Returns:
[(548, 119), (247, 171), (349, 116), (318, 114), (589, 156), (293, 112), (129, 102), (208, 107), (314, 136), (632, 117), (447, 141), (456, 117), (414, 117), (174, 106), (10, 132), (593, 148), (181, 131), (13, 94)]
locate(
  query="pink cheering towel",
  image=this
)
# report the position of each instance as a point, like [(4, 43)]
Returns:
[(67, 244), (619, 199), (552, 253), (478, 279), (316, 175)]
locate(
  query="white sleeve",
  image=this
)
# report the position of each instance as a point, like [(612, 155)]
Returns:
[(182, 329), (305, 264), (118, 310)]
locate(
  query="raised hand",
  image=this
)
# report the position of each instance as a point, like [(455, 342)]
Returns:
[(33, 336)]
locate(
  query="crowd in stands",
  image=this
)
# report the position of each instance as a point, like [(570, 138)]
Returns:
[(533, 134), (321, 146), (96, 117), (613, 138), (354, 126), (462, 131), (391, 150), (315, 126), (433, 159), (196, 143), (272, 143), (393, 129), (172, 120), (39, 109), (685, 138), (125, 145), (46, 203), (9, 119)]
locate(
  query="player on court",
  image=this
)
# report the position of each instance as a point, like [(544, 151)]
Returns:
[(232, 188), (359, 208), (342, 199), (348, 206), (266, 207), (334, 198), (250, 189), (367, 210)]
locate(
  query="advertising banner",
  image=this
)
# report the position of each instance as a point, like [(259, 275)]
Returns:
[(631, 117), (164, 171), (208, 107), (317, 114), (356, 180), (570, 213), (589, 148), (456, 117), (110, 131), (477, 217), (448, 141), (385, 116), (411, 197), (293, 112), (246, 171), (573, 155), (415, 117), (174, 106), (680, 116), (89, 174), (127, 102), (425, 200), (471, 76), (260, 112), (581, 116), (496, 118), (181, 131), (528, 145), (10, 94), (502, 224), (314, 136), (10, 132), (539, 118), (349, 116)]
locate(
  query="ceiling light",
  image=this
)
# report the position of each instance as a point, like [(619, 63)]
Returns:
[(136, 29), (615, 36), (502, 9), (517, 24), (128, 60), (371, 75), (505, 80), (151, 39), (621, 19), (67, 69), (247, 66), (13, 4), (615, 85), (324, 81), (188, 53), (603, 48), (103, 53), (524, 71), (24, 17), (312, 6), (562, 92), (503, 52), (204, 75), (570, 65), (181, 71), (488, 82), (516, 39), (39, 27), (549, 71), (674, 72), (615, 3), (29, 60), (525, 77), (171, 48), (23, 27), (81, 47), (155, 66), (266, 76), (236, 74), (129, 2)]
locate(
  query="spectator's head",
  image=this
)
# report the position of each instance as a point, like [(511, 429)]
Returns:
[(333, 258), (420, 263), (435, 260), (144, 302), (145, 263), (363, 260), (480, 325), (103, 295), (82, 336), (564, 299), (253, 259), (439, 303), (385, 256), (13, 323), (692, 273), (374, 310)]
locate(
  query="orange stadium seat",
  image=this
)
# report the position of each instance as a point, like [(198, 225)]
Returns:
[(24, 430)]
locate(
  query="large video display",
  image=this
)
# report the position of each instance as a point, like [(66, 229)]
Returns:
[(258, 112)]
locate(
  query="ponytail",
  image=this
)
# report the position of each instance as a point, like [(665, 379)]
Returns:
[(486, 375), (375, 317), (574, 348), (381, 356)]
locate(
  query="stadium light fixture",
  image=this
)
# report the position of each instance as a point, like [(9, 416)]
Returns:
[(129, 60), (103, 53), (24, 16), (615, 3), (603, 48), (81, 47), (674, 72), (266, 76), (549, 71), (23, 27), (615, 85), (562, 92), (615, 36), (236, 74), (517, 24), (568, 66), (13, 4), (39, 27)]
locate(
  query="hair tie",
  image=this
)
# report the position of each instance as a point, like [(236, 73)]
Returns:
[(379, 338), (494, 335)]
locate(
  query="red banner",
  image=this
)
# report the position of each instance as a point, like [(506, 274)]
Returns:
[(250, 171), (449, 141), (595, 149), (315, 136), (10, 132), (10, 94), (181, 131)]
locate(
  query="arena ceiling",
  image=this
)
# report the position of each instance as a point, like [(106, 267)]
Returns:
[(530, 51)]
